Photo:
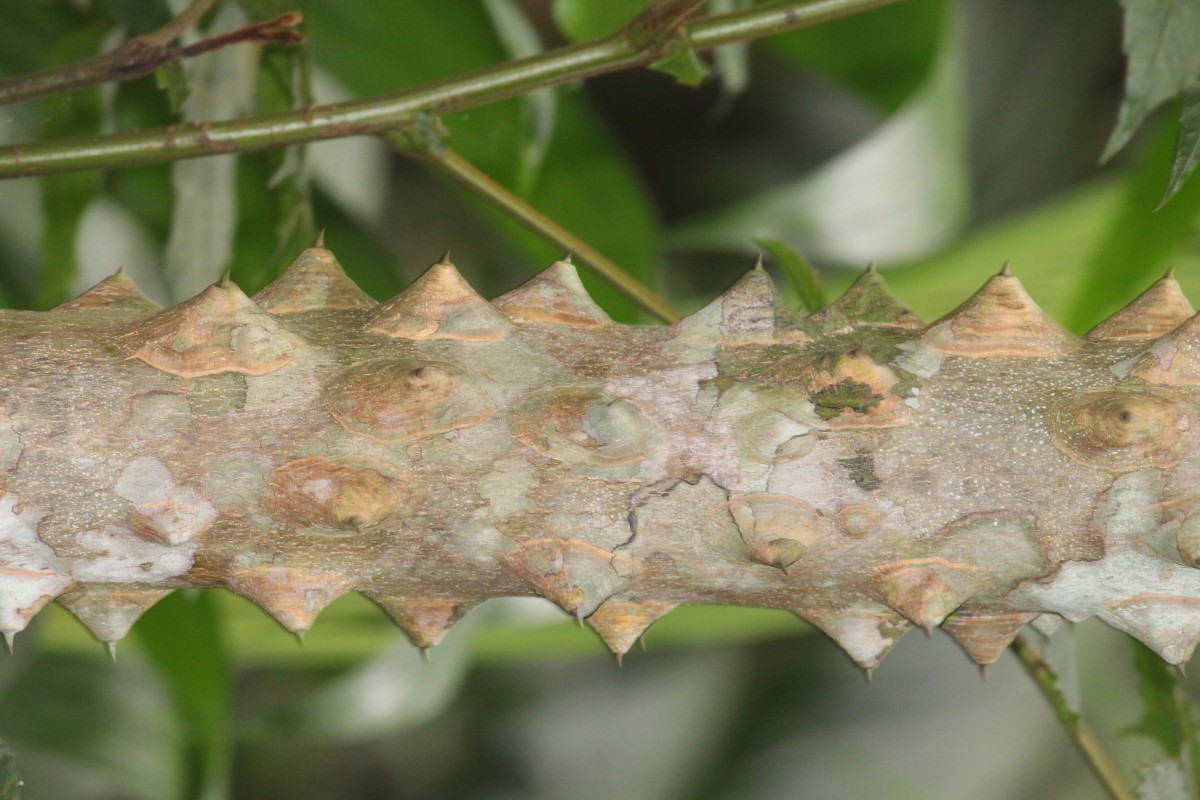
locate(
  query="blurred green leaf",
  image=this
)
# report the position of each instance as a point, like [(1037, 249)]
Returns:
[(580, 20), (539, 109), (205, 215), (139, 16), (172, 79), (65, 197), (586, 182), (181, 634), (1139, 242), (902, 40), (10, 780), (378, 46), (1162, 45), (86, 729), (27, 29), (801, 275), (1168, 717), (731, 63), (685, 627), (275, 220), (600, 198), (393, 690), (681, 62), (896, 195), (1187, 151)]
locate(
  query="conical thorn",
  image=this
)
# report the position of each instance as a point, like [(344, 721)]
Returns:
[(111, 649)]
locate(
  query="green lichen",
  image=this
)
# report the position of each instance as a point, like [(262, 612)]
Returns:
[(853, 395), (10, 781), (861, 469)]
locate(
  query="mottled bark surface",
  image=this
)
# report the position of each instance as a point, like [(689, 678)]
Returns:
[(856, 466)]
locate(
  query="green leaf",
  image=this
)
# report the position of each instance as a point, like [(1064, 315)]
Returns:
[(181, 634), (203, 224), (27, 29), (274, 197), (10, 781), (1139, 242), (539, 109), (902, 40), (378, 46), (172, 79), (1168, 719), (896, 195), (88, 729), (1163, 717), (731, 63), (139, 16), (65, 197), (801, 275), (389, 692), (580, 20), (1162, 45), (600, 199), (586, 182), (1187, 151), (681, 62)]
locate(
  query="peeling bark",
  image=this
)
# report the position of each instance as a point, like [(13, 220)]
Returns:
[(857, 467)]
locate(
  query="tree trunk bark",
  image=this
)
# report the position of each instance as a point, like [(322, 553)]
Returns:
[(857, 467)]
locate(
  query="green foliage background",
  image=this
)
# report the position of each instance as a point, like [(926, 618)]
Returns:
[(937, 139)]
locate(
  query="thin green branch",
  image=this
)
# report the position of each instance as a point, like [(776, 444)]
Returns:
[(123, 63), (144, 54), (470, 176), (1081, 734), (377, 115)]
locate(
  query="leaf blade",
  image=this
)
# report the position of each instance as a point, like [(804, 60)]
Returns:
[(1162, 45), (10, 781), (802, 275), (1187, 150)]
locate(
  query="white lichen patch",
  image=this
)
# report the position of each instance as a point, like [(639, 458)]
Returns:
[(31, 575), (1133, 588), (162, 509), (120, 556)]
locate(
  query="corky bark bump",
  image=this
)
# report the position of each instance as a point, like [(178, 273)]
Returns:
[(857, 467)]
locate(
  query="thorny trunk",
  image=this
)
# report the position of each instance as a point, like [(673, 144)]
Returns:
[(857, 467)]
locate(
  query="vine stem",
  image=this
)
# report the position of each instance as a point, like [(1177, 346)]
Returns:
[(143, 55), (470, 176), (626, 49), (132, 59), (1081, 734)]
